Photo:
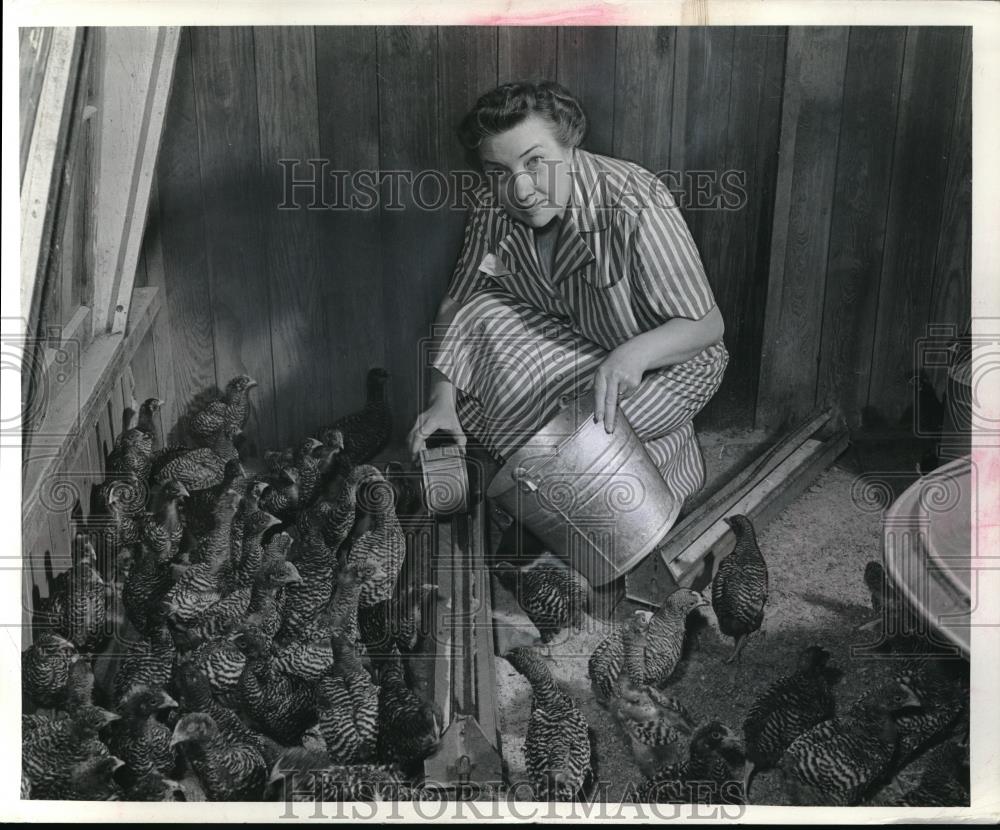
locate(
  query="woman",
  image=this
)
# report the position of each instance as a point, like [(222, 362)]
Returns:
[(577, 272)]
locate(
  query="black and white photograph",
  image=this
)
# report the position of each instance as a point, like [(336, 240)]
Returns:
[(501, 413)]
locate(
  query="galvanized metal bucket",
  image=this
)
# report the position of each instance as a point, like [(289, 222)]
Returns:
[(597, 500)]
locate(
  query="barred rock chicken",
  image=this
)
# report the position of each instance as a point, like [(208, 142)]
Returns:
[(739, 590), (945, 779), (347, 703), (302, 774), (552, 597), (132, 455), (366, 432), (77, 605), (306, 464), (280, 705), (45, 670), (227, 771), (147, 663), (93, 779), (560, 747), (409, 729), (148, 580), (194, 694), (407, 486), (201, 468), (606, 662), (656, 727), (138, 738), (153, 787), (163, 528), (708, 776), (398, 621), (790, 707), (835, 762), (941, 683), (893, 612), (52, 751), (227, 415), (652, 651), (376, 542)]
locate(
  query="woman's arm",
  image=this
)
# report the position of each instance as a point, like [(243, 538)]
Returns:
[(672, 342)]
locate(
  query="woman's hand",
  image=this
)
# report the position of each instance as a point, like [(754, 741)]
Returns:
[(439, 415), (617, 377)]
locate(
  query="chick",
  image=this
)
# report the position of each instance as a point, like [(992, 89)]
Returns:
[(942, 684), (552, 597), (707, 776), (227, 414), (790, 707), (45, 670), (77, 605), (302, 774), (652, 651), (367, 432), (945, 779), (348, 706), (655, 726), (227, 771), (409, 729), (835, 762), (559, 747), (138, 738), (739, 590), (606, 662)]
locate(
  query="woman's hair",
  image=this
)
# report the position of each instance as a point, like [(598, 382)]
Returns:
[(509, 104)]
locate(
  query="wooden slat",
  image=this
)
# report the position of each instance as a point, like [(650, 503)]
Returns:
[(287, 113), (951, 296), (928, 100), (762, 504), (586, 62), (857, 232), (467, 68), (180, 222), (351, 243), (34, 45), (138, 69), (644, 81), (527, 53), (42, 181), (71, 420), (814, 92), (416, 266), (229, 152)]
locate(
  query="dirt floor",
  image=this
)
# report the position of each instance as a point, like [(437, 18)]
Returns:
[(816, 553)]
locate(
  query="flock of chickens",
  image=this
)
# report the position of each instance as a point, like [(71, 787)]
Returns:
[(262, 643), (824, 757)]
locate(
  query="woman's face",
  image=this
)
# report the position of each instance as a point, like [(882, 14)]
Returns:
[(531, 171)]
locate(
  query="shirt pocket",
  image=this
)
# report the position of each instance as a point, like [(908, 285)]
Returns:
[(612, 249)]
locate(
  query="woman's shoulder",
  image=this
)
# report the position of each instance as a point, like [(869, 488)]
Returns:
[(623, 181)]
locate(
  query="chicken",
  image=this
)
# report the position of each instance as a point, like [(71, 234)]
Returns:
[(409, 729), (163, 528), (77, 605), (222, 660), (45, 670), (93, 779), (227, 415), (53, 750), (893, 612), (398, 621), (606, 662), (138, 738), (552, 597), (153, 787), (835, 762), (376, 543), (149, 578), (132, 456), (266, 608), (407, 486), (708, 776), (227, 771), (559, 747), (348, 706), (790, 707), (654, 725), (282, 497), (147, 663), (367, 432), (307, 775), (942, 684), (652, 651), (945, 779), (739, 590), (197, 469), (306, 463), (280, 705)]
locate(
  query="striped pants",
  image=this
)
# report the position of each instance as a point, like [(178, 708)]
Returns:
[(513, 366)]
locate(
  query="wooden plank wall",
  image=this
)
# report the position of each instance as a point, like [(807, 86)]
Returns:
[(811, 122)]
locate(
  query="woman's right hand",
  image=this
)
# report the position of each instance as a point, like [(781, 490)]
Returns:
[(439, 415)]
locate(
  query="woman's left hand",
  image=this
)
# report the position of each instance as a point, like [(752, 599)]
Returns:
[(617, 377)]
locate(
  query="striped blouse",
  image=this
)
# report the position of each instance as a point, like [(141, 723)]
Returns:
[(624, 262)]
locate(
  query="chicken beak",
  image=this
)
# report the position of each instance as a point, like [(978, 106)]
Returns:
[(272, 520), (178, 737), (119, 763), (182, 491), (108, 717), (911, 697), (292, 574), (168, 702), (314, 443)]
